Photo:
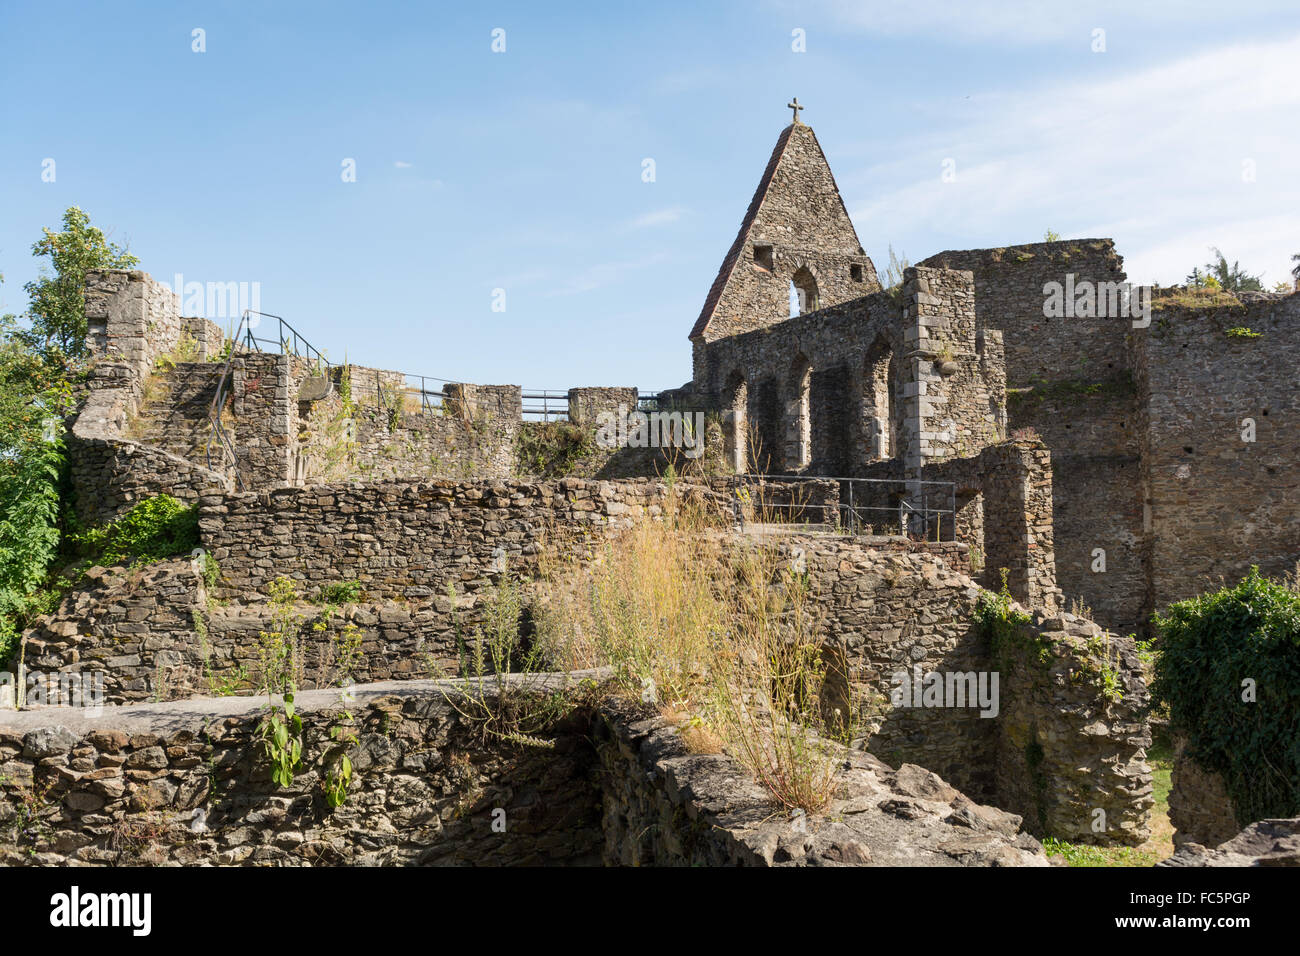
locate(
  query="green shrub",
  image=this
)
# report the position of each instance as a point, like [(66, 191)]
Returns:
[(1211, 648), (154, 529), (341, 592)]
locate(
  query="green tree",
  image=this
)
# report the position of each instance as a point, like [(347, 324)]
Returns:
[(37, 363), (57, 311), (1295, 273), (1230, 278), (34, 397)]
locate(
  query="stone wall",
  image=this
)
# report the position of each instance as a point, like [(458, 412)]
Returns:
[(1071, 381), (109, 475), (795, 230), (159, 784), (472, 434), (135, 627), (587, 404), (1094, 434), (1009, 297), (1004, 513), (802, 395), (209, 337), (1200, 809), (887, 614), (158, 634), (406, 540), (1219, 503), (132, 320), (1071, 754)]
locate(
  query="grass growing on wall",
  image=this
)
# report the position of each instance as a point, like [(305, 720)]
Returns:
[(552, 449), (718, 636)]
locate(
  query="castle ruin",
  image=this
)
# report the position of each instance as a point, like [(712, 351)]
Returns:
[(939, 435)]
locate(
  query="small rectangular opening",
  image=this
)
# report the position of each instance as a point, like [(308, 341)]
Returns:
[(855, 273), (763, 258)]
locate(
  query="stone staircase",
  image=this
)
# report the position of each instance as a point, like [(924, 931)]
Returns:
[(174, 415)]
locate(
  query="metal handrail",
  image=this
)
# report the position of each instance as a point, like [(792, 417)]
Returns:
[(217, 435), (853, 511), (546, 398), (289, 341)]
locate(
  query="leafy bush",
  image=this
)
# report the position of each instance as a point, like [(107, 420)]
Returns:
[(341, 592), (153, 529), (1211, 646)]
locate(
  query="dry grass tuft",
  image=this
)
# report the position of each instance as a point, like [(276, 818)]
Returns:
[(722, 636)]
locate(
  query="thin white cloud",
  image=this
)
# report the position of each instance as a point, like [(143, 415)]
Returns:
[(402, 164), (1154, 158), (605, 274), (1007, 22), (659, 217)]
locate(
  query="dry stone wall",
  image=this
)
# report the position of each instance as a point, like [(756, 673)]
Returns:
[(165, 784), (1200, 809), (405, 540)]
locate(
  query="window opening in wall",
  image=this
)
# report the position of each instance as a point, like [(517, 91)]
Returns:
[(764, 258), (803, 293)]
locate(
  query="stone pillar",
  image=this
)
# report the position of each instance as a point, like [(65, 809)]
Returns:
[(263, 417), (587, 404), (954, 382), (1017, 484)]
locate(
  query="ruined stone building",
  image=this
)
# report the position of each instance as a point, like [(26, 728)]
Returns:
[(935, 430), (1173, 446)]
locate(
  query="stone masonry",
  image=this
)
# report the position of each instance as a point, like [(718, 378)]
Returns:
[(189, 783)]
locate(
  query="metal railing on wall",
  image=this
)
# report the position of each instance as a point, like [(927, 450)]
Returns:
[(923, 510), (546, 406), (422, 394), (413, 395), (289, 341)]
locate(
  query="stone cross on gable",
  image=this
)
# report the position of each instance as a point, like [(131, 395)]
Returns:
[(796, 107)]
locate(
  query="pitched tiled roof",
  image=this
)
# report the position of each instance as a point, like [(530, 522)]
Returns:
[(733, 255)]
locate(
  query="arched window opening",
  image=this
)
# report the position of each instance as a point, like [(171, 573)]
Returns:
[(803, 293)]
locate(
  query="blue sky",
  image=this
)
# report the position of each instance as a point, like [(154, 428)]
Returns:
[(522, 170)]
